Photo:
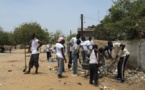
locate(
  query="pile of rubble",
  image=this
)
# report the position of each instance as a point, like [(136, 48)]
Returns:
[(134, 76), (131, 76)]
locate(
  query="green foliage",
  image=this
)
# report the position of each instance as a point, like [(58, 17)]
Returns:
[(22, 33), (125, 20), (54, 36), (70, 36), (6, 38)]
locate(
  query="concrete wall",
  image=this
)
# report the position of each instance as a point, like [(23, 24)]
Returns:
[(137, 53)]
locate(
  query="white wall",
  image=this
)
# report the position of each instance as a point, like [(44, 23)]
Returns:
[(137, 53)]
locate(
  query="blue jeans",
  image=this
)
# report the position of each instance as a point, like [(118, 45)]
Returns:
[(75, 61), (60, 65), (83, 55)]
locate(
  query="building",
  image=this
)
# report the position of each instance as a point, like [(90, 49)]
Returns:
[(87, 32)]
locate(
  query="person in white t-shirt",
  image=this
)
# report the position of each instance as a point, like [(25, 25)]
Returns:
[(94, 65), (35, 44), (84, 49), (122, 53), (75, 51), (90, 45), (48, 51), (60, 55), (71, 43)]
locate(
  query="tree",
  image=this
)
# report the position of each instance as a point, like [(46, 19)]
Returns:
[(54, 36), (124, 21), (22, 33), (70, 36)]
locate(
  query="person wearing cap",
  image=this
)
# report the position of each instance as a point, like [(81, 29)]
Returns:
[(60, 55), (122, 53), (35, 44)]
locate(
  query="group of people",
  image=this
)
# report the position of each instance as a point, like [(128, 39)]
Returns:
[(91, 54)]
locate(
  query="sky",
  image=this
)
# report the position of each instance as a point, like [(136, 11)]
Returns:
[(62, 15)]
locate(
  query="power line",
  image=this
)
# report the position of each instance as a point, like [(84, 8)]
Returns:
[(90, 18)]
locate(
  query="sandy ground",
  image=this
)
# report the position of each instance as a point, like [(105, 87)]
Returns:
[(13, 78)]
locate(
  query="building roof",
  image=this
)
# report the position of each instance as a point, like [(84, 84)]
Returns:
[(86, 29)]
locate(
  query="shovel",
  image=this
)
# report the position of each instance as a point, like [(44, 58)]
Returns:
[(25, 60), (114, 61)]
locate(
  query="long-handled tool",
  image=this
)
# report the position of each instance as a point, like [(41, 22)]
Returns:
[(25, 59), (114, 61)]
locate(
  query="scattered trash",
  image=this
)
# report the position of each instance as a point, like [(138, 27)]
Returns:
[(59, 80), (51, 88), (103, 87), (42, 60), (9, 70), (79, 83), (51, 60)]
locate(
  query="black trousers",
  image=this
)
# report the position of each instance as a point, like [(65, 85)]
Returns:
[(48, 55), (121, 67), (34, 60), (94, 73), (70, 60)]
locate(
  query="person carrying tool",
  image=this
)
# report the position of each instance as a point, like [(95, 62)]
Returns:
[(35, 44), (122, 53)]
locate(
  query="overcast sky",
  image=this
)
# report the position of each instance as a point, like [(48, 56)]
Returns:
[(54, 15)]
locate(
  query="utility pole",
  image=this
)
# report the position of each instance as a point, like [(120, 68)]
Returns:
[(70, 33), (81, 25)]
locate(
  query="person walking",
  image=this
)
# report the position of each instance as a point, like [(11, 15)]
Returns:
[(35, 44)]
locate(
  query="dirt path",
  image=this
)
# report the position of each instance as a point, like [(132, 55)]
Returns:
[(13, 78)]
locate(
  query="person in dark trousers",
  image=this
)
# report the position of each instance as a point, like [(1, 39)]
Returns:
[(35, 44), (94, 65), (122, 53), (71, 43), (48, 51)]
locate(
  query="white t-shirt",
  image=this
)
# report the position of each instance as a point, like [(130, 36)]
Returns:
[(58, 47), (90, 44), (34, 46), (93, 58), (75, 48), (117, 50), (48, 48), (72, 42), (84, 44)]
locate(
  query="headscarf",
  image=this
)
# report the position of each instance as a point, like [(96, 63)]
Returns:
[(60, 39)]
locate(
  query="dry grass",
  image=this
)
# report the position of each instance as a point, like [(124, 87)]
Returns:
[(100, 43)]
